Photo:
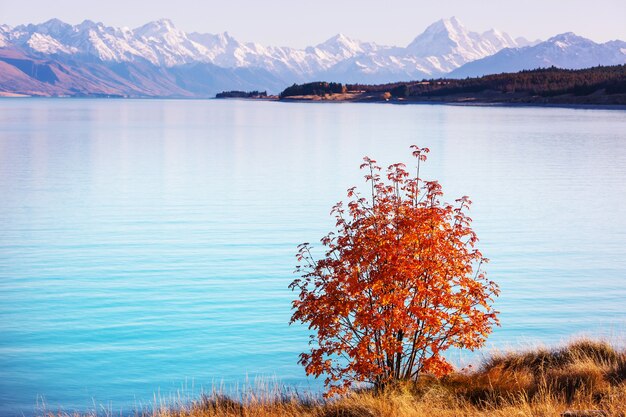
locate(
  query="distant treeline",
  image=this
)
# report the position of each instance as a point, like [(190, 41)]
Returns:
[(313, 89), (241, 94), (545, 82)]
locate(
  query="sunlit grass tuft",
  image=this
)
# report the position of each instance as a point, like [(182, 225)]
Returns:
[(582, 375)]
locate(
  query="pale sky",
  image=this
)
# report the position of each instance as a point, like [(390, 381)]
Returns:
[(301, 23)]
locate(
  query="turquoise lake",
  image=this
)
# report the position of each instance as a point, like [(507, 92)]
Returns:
[(146, 246)]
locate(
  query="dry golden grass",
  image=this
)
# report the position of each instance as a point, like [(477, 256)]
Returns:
[(584, 375)]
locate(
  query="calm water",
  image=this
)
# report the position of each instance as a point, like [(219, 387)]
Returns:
[(146, 246)]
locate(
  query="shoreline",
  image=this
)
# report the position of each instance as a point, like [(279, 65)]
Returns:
[(580, 106), (586, 377), (468, 103)]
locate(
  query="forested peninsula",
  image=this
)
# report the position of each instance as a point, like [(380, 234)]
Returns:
[(602, 85)]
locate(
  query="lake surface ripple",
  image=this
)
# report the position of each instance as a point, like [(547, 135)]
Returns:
[(146, 246)]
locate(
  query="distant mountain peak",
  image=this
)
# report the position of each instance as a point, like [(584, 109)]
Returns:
[(87, 23), (340, 38), (159, 47), (156, 28), (341, 45), (448, 21), (90, 24), (449, 38), (566, 50), (442, 35), (167, 23), (493, 31), (226, 36), (54, 22), (450, 25), (569, 38), (53, 27), (453, 21)]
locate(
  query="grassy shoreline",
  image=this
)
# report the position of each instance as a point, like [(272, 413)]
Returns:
[(583, 378)]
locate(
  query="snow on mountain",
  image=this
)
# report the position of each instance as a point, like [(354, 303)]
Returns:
[(53, 27), (46, 44), (448, 37), (162, 44), (160, 59), (44, 38), (225, 51), (108, 43), (221, 49), (4, 32), (167, 45), (442, 47), (341, 47), (157, 42), (566, 50)]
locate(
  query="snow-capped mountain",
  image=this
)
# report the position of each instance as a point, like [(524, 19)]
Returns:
[(566, 50), (442, 47), (161, 43), (449, 37), (226, 51), (4, 32), (160, 59)]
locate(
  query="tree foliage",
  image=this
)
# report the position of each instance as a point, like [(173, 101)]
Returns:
[(544, 82), (317, 88), (241, 94), (399, 283)]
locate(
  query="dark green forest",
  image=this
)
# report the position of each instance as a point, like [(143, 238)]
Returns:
[(317, 88), (543, 82), (241, 94)]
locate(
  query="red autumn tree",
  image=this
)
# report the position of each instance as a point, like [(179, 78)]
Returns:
[(399, 283)]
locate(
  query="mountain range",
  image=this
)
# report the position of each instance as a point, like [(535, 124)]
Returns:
[(157, 59)]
